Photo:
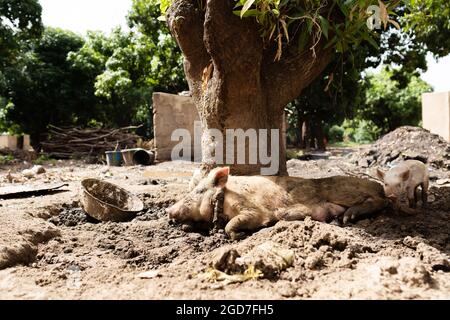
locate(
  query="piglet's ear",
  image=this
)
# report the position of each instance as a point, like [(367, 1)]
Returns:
[(221, 177), (380, 174), (405, 175)]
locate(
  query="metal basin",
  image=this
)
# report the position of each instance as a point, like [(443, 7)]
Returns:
[(105, 201)]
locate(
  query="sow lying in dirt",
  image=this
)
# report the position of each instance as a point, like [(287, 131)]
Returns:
[(253, 202)]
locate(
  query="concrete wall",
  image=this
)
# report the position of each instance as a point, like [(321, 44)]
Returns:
[(171, 112), (436, 113), (7, 141), (11, 142)]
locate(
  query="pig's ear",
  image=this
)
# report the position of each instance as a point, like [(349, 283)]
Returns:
[(405, 175), (221, 177), (380, 174)]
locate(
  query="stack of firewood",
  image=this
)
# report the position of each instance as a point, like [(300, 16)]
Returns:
[(76, 142)]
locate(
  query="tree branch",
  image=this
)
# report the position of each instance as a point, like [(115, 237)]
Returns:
[(232, 42), (284, 80), (185, 22)]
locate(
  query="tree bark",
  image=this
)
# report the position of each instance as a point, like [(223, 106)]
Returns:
[(318, 136), (299, 131), (306, 134), (233, 78)]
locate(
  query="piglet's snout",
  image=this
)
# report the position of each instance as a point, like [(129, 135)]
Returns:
[(392, 197), (177, 212), (171, 212)]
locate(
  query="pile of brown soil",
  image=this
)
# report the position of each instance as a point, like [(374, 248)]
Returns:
[(406, 143)]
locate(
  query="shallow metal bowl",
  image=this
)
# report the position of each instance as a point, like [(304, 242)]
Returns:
[(105, 201)]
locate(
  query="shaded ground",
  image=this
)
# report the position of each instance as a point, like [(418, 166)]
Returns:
[(50, 249)]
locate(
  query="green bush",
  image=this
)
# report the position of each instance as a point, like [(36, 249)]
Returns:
[(336, 134), (44, 158), (360, 131), (5, 159)]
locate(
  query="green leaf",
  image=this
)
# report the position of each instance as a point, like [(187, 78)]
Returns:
[(164, 5), (369, 39), (309, 25), (324, 25), (246, 6), (343, 7), (303, 39), (249, 13), (332, 42)]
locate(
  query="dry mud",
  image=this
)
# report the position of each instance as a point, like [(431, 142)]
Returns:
[(50, 249)]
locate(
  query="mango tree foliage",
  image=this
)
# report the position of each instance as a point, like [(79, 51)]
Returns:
[(43, 88), (135, 64), (19, 20), (389, 105), (429, 23), (328, 100), (166, 64), (128, 67)]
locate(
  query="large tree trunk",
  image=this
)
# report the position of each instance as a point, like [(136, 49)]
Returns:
[(318, 135), (299, 131), (306, 134), (233, 78)]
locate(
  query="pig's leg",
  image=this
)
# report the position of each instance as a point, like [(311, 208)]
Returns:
[(335, 209), (327, 211), (295, 212), (410, 191), (416, 194), (369, 206), (246, 220), (321, 213), (424, 187)]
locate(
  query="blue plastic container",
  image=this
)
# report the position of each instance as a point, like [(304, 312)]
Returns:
[(114, 158)]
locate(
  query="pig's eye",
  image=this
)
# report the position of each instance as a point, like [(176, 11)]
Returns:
[(200, 190)]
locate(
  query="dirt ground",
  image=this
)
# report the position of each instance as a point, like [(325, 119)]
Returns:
[(50, 249)]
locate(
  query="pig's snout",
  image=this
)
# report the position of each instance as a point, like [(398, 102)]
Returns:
[(391, 193), (392, 197), (172, 214), (177, 212)]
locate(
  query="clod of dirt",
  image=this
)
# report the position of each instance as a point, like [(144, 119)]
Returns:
[(38, 235), (406, 271), (224, 259), (34, 171), (22, 252), (154, 182), (71, 217), (314, 261), (149, 274), (432, 256), (286, 289), (416, 143), (269, 258), (412, 242), (152, 213)]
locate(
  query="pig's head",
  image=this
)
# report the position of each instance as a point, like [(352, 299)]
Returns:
[(394, 183), (198, 205)]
